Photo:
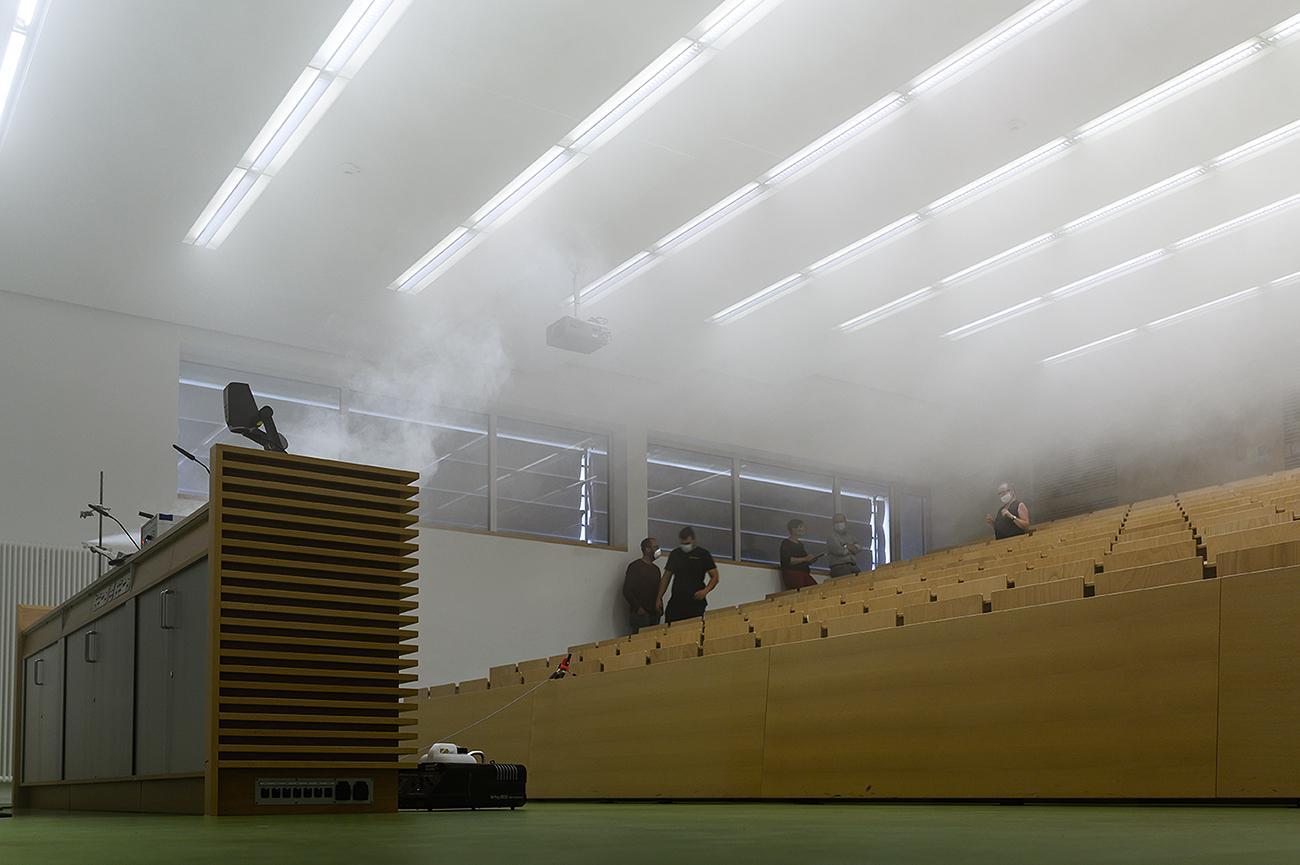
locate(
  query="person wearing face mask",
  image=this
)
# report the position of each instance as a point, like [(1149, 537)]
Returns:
[(796, 564), (641, 587), (685, 571), (842, 548), (1013, 518)]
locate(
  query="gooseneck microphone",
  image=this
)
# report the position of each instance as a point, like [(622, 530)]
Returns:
[(103, 511), (191, 457)]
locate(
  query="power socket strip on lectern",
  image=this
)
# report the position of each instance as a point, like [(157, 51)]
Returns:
[(314, 791)]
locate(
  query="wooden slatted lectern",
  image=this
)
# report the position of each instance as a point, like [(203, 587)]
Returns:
[(252, 660)]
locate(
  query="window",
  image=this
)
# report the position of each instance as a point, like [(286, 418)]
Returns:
[(691, 489), (867, 507), (686, 487), (307, 414), (552, 482), (448, 448), (770, 497)]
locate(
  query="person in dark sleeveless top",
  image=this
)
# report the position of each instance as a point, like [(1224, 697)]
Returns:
[(1013, 518), (796, 564)]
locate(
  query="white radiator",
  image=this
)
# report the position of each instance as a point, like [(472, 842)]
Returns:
[(31, 575)]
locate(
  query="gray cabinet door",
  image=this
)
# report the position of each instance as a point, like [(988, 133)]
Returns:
[(100, 703), (43, 715), (172, 670)]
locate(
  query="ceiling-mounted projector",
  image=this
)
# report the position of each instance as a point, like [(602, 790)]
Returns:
[(574, 334)]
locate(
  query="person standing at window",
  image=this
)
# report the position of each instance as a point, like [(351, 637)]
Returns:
[(842, 548), (796, 564), (641, 587), (1013, 519), (685, 570)]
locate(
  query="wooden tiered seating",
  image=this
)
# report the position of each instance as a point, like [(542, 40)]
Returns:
[(1242, 527), (1068, 589)]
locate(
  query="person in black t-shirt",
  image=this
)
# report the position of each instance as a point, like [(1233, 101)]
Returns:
[(796, 564), (641, 587), (1013, 518), (685, 570)]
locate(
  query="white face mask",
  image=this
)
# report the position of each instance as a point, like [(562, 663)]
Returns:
[(686, 548), (1006, 498), (839, 527)]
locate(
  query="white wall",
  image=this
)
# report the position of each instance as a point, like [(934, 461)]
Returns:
[(487, 600), (80, 391)]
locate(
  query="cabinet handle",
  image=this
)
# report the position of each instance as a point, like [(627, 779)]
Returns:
[(167, 622), (38, 672), (91, 648)]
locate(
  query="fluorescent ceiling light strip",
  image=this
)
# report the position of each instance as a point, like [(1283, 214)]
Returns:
[(884, 311), (1204, 307), (841, 134), (1080, 285), (360, 40), (352, 40), (17, 47), (1288, 28), (1250, 148), (709, 217), (754, 301), (1238, 222), (26, 14), (667, 70), (723, 19), (1179, 84), (1000, 258), (1143, 260), (14, 46), (611, 280), (1097, 343), (1289, 279), (996, 318), (866, 119), (304, 106), (1142, 195), (521, 188), (997, 175), (858, 247), (620, 107), (435, 258), (986, 45), (245, 196)]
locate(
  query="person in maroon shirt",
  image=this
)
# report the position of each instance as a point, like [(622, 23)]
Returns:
[(641, 587)]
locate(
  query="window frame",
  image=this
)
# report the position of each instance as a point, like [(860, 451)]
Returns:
[(886, 542), (348, 396)]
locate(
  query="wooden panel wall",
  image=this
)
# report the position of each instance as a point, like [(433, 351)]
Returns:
[(1113, 696), (312, 593), (1105, 697), (686, 729), (1259, 685)]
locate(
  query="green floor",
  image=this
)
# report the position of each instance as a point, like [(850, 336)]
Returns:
[(573, 834)]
